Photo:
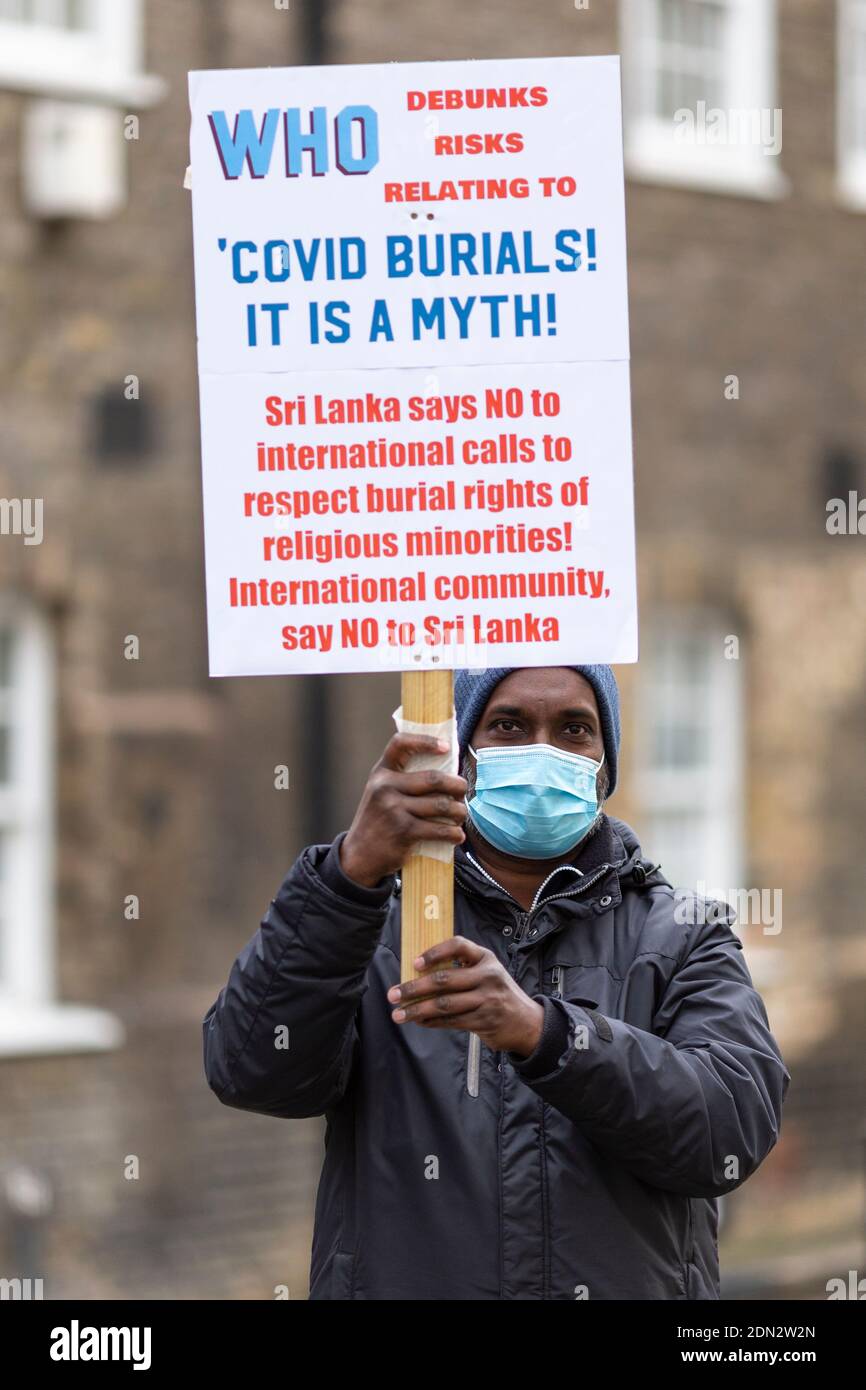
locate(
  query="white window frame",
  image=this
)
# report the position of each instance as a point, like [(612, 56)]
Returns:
[(850, 160), (101, 63), (720, 798), (32, 1020), (653, 151)]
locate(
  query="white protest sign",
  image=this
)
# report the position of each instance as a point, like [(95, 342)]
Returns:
[(413, 361)]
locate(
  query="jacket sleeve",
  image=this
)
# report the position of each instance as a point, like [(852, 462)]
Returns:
[(695, 1105), (281, 1036)]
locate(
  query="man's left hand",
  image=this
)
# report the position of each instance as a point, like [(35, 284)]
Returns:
[(465, 986)]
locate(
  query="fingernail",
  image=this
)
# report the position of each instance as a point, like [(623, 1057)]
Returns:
[(418, 962), (442, 745), (399, 1015)]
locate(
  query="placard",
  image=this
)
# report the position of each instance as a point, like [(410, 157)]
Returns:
[(413, 359)]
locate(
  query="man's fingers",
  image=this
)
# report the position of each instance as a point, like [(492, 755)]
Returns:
[(418, 829), (441, 981), (401, 747), (437, 807), (455, 948), (424, 783), (450, 1010)]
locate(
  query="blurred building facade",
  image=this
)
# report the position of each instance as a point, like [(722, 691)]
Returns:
[(141, 830)]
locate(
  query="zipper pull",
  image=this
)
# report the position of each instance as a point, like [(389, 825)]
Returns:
[(522, 919), (473, 1064), (556, 982)]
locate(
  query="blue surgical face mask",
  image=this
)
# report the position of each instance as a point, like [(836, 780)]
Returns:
[(535, 801)]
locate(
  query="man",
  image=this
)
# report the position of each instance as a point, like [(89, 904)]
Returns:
[(552, 1111)]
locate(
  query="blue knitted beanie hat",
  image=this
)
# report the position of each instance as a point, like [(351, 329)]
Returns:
[(472, 690)]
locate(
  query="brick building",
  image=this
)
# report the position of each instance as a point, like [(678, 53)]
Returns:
[(141, 833)]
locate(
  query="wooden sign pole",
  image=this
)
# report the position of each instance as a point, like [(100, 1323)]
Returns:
[(427, 892)]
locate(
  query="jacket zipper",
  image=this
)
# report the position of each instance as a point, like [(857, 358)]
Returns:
[(473, 1058), (474, 1053), (522, 919)]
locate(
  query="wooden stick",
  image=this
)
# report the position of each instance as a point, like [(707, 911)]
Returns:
[(427, 892)]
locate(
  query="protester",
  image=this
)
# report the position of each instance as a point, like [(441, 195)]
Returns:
[(553, 1111)]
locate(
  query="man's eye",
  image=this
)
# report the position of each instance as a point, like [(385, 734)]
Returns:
[(500, 724)]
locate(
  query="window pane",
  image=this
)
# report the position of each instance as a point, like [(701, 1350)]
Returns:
[(7, 679), (679, 746), (671, 21), (689, 661), (25, 804), (677, 842), (703, 25), (691, 48), (78, 14), (690, 787), (64, 14), (5, 743), (668, 94), (681, 705), (678, 87), (6, 658), (858, 85), (4, 942)]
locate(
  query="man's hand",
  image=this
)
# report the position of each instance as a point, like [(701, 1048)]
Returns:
[(467, 987), (399, 809)]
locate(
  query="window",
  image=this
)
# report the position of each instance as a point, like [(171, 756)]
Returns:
[(81, 59), (66, 14), (700, 94), (851, 98), (31, 1020), (689, 782), (86, 48)]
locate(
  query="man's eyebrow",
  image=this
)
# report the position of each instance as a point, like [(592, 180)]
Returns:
[(579, 712), (516, 711)]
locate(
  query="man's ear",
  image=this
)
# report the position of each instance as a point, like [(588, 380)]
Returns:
[(467, 769), (602, 783)]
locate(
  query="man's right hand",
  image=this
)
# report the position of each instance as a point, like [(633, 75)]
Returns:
[(398, 809)]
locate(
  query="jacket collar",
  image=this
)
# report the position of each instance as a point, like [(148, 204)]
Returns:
[(610, 861)]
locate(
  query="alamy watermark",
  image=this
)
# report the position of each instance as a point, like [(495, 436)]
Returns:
[(21, 1290), (753, 907), (22, 516), (757, 126), (846, 516), (77, 1343)]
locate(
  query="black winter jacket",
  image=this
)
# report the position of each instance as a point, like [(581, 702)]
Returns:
[(586, 1170)]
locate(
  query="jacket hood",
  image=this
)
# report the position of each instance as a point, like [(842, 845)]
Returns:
[(634, 868)]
